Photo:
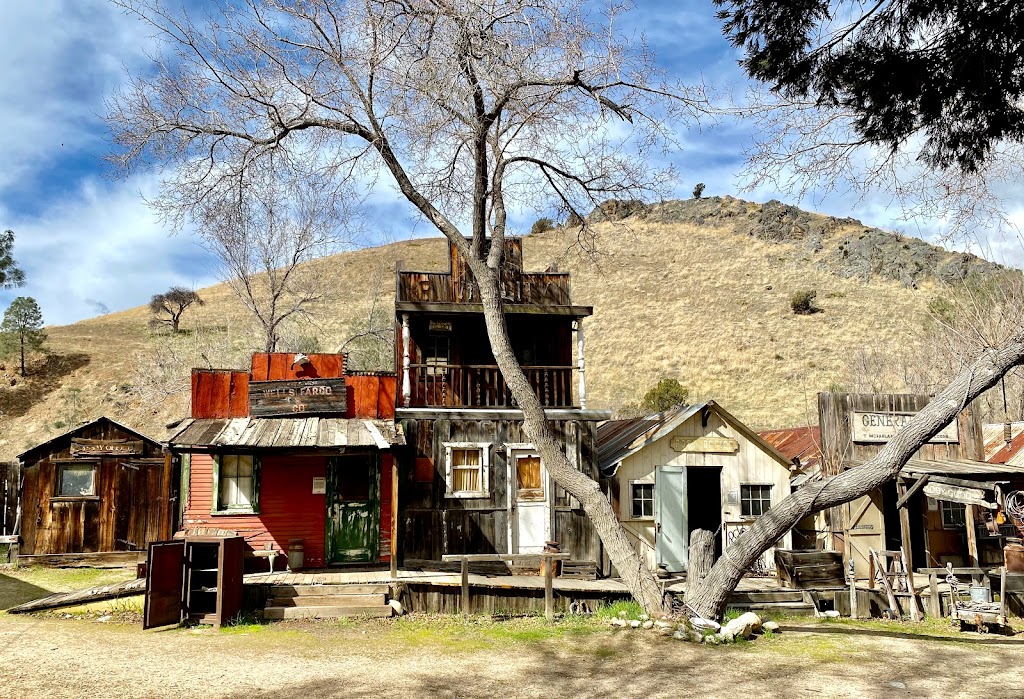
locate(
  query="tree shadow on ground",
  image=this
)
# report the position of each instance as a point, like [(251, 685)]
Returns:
[(972, 638), (14, 592), (42, 380)]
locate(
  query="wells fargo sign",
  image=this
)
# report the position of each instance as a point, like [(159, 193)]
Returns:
[(881, 427), (313, 396), (105, 447)]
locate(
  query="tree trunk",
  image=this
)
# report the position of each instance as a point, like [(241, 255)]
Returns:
[(709, 596), (23, 354), (635, 574), (701, 559)]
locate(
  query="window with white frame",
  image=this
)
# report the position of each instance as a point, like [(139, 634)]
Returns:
[(76, 481), (641, 500), (467, 469), (755, 499), (954, 514), (237, 483)]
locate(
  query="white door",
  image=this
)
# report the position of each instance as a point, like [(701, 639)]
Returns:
[(533, 513), (670, 544)]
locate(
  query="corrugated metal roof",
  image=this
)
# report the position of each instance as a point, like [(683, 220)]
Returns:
[(287, 433), (996, 451), (952, 467), (803, 443)]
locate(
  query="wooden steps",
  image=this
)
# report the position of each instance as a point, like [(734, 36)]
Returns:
[(579, 570), (327, 602), (788, 608)]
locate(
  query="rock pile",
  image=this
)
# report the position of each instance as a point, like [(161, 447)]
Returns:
[(698, 630)]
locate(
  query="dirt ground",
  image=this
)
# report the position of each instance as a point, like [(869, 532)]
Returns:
[(446, 657)]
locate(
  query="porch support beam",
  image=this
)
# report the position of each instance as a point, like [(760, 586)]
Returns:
[(406, 380), (394, 517), (581, 363)]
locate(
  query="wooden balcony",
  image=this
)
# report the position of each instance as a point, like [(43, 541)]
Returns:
[(483, 386), (540, 289)]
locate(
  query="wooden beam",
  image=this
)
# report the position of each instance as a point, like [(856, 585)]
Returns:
[(465, 586), (907, 547), (972, 535), (549, 598), (909, 492), (934, 603), (394, 517)]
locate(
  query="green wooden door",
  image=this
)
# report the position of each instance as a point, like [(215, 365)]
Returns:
[(353, 508)]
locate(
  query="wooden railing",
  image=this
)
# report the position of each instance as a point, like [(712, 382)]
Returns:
[(483, 386), (543, 289)]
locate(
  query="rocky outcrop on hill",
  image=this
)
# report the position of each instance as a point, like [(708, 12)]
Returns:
[(843, 246)]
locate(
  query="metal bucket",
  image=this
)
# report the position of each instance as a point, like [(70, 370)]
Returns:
[(981, 593), (296, 554)]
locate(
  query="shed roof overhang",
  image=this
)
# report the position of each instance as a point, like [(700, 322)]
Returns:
[(304, 433), (509, 308)]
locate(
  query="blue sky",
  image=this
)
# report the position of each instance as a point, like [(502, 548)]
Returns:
[(89, 244)]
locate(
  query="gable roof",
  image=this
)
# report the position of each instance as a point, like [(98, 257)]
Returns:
[(619, 439), (77, 428)]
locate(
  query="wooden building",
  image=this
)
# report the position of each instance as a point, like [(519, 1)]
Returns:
[(474, 482), (100, 487), (942, 507), (696, 467), (294, 455)]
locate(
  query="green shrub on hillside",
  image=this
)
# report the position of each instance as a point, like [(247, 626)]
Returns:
[(667, 394), (802, 302)]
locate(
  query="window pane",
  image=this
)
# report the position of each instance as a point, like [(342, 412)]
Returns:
[(77, 481), (528, 472), (228, 466), (466, 480), (643, 500), (243, 491), (466, 457), (244, 465)]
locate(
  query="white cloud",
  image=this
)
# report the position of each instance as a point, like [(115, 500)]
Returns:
[(102, 247)]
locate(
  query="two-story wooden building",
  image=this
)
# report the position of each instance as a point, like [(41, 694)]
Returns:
[(295, 454), (475, 482)]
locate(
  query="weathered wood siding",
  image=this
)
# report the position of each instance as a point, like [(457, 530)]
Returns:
[(433, 525), (135, 501), (749, 465), (288, 508), (10, 477)]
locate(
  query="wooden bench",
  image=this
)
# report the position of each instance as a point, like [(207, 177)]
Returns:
[(547, 560)]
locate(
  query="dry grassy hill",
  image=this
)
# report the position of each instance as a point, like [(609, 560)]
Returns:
[(697, 290)]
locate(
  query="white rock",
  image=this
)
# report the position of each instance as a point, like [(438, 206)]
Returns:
[(616, 621), (666, 631), (743, 626), (662, 624), (397, 606), (699, 623), (772, 626), (713, 639), (108, 617), (648, 624), (830, 614), (726, 636), (644, 617), (634, 624)]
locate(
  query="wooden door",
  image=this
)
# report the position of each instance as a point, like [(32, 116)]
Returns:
[(670, 544), (229, 579), (353, 508), (533, 511), (865, 530), (165, 582)]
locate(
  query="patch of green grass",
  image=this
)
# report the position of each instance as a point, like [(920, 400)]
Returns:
[(458, 634), (730, 614), (632, 609)]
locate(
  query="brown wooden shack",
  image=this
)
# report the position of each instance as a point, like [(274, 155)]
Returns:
[(101, 487)]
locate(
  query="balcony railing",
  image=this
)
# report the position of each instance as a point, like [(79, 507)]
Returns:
[(483, 386), (542, 289)]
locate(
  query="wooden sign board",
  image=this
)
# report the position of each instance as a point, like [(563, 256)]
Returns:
[(881, 427), (705, 445), (105, 447), (956, 493), (439, 326), (298, 397)]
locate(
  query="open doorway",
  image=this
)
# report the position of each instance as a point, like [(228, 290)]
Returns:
[(704, 502)]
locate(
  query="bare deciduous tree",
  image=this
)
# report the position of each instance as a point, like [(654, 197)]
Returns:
[(471, 109), (173, 303)]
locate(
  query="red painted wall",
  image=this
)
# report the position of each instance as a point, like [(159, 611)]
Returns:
[(288, 508)]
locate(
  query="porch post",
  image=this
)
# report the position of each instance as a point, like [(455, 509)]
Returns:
[(394, 517), (406, 382), (972, 536), (581, 363)]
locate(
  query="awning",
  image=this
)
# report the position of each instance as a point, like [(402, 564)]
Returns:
[(287, 433)]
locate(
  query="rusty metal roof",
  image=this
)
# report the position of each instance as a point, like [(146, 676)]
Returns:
[(802, 443), (996, 450), (287, 433)]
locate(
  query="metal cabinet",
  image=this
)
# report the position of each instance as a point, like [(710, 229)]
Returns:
[(194, 579)]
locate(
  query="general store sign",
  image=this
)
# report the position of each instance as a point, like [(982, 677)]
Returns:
[(303, 396), (705, 445), (881, 427)]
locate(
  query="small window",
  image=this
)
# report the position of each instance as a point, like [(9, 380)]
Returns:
[(237, 483), (642, 500), (436, 354), (954, 514), (76, 481), (529, 479), (755, 499), (466, 470)]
